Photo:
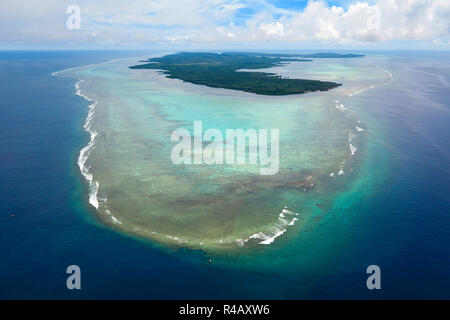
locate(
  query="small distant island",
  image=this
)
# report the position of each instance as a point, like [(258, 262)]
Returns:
[(222, 70)]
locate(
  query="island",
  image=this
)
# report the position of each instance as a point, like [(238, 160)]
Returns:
[(224, 70)]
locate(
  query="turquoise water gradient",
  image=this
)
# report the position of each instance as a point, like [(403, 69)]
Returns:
[(223, 206), (393, 210)]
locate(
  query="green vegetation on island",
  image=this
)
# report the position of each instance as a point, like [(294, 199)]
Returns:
[(222, 71)]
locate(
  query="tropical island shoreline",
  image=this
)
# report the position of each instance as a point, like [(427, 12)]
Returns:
[(224, 70)]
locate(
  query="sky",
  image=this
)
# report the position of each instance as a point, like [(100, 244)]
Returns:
[(225, 24)]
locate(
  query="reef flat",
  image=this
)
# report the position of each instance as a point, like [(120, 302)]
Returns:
[(137, 188)]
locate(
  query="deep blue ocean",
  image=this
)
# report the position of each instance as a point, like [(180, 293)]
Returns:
[(46, 223)]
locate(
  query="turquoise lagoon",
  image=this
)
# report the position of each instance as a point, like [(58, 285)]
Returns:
[(136, 188)]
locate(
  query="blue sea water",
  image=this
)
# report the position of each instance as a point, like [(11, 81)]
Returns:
[(404, 227)]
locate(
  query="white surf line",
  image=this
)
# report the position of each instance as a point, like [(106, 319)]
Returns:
[(272, 239), (354, 93), (391, 77), (279, 229), (341, 107), (114, 219), (351, 135), (361, 90), (85, 153), (352, 149)]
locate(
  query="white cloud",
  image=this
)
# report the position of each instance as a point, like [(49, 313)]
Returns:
[(386, 20), (215, 21), (176, 37), (272, 29)]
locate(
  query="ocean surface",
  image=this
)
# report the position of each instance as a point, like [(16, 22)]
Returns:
[(385, 130)]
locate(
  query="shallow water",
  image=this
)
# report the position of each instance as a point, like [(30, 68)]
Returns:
[(137, 188)]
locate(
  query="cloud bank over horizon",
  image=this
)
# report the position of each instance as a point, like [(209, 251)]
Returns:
[(228, 22)]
